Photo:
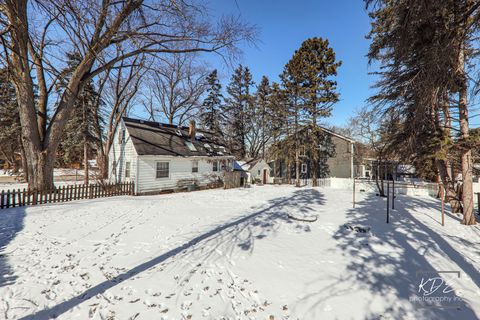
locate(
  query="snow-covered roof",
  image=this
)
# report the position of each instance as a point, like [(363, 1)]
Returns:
[(238, 165)]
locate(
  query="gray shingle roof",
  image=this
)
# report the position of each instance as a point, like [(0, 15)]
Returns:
[(153, 138)]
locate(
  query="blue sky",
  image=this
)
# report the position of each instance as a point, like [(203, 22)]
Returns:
[(284, 24)]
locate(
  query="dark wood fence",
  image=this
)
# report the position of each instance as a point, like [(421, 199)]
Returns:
[(16, 198), (232, 179)]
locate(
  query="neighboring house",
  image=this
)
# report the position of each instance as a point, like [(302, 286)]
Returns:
[(160, 156), (258, 171), (253, 171), (335, 154), (393, 170)]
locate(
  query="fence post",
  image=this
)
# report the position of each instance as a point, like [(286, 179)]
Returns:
[(2, 197), (8, 198), (24, 194), (478, 202), (388, 201), (13, 198), (35, 199)]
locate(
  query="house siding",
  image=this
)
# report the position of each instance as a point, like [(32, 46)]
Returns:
[(119, 154), (340, 165), (179, 169), (260, 165)]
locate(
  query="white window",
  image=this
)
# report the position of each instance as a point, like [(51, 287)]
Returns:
[(215, 166), (304, 168), (127, 170), (194, 166), (163, 169)]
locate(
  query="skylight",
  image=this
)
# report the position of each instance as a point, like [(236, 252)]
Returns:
[(190, 146)]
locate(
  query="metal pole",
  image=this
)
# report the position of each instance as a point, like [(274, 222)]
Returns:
[(388, 201), (443, 204), (354, 192), (393, 194), (478, 202)]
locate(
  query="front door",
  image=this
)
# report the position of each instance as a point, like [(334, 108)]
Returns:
[(264, 176)]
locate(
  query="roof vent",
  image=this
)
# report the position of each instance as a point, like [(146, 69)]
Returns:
[(178, 132)]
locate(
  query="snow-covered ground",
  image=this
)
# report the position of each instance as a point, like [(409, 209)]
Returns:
[(62, 177), (236, 254)]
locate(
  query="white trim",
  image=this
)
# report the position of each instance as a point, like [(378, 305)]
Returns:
[(304, 165), (136, 177), (352, 174), (336, 134), (153, 156)]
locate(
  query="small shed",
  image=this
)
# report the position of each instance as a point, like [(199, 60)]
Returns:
[(258, 170)]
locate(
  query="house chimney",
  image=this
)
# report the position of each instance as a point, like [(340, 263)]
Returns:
[(192, 130)]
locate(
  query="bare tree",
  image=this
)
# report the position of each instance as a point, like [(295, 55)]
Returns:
[(36, 35), (119, 88), (175, 88), (366, 127)]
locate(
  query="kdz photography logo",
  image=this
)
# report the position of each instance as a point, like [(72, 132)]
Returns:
[(435, 291)]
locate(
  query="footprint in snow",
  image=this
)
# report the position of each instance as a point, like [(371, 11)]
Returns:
[(186, 305)]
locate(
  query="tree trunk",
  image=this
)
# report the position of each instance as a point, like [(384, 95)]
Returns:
[(466, 149), (40, 170), (288, 170), (24, 161), (297, 167), (315, 149), (102, 163), (450, 194), (379, 183), (85, 163)]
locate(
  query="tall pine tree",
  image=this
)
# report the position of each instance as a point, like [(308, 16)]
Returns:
[(81, 135), (317, 67), (262, 104), (10, 130), (238, 104), (291, 81), (211, 112)]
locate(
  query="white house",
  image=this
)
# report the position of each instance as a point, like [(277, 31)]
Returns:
[(159, 157), (258, 170)]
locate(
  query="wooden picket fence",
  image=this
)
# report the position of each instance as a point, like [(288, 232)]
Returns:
[(17, 198)]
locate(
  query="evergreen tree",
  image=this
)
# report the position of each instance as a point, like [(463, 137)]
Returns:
[(263, 104), (10, 131), (81, 133), (291, 81), (317, 66), (424, 48), (211, 113), (238, 105), (277, 120)]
